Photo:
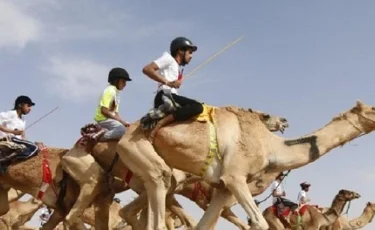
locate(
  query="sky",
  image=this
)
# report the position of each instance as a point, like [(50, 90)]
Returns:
[(304, 60)]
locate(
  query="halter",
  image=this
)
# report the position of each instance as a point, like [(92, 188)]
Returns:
[(363, 132)]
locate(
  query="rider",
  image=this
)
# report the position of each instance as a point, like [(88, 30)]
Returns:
[(279, 199), (302, 195), (167, 70), (12, 125), (106, 114)]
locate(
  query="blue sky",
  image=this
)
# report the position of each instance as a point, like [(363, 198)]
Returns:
[(304, 60)]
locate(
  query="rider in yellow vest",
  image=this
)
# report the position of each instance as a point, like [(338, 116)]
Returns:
[(107, 111)]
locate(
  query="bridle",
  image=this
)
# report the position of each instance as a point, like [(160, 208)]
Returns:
[(363, 132)]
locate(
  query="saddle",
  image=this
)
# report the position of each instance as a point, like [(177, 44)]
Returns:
[(91, 134), (11, 152)]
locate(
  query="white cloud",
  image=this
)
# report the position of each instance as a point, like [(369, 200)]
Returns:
[(75, 79), (17, 28)]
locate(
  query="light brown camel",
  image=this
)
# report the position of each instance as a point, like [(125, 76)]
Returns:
[(19, 213), (92, 177), (246, 147), (201, 193), (342, 223), (311, 217)]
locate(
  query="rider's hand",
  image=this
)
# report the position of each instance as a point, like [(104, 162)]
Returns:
[(170, 84), (17, 132), (124, 123), (177, 84)]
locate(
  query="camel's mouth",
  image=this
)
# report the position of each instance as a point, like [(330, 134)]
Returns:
[(356, 196)]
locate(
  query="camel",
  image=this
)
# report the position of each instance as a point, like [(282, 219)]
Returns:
[(246, 149), (201, 193), (114, 219), (20, 212), (342, 223), (26, 176), (309, 216), (92, 177)]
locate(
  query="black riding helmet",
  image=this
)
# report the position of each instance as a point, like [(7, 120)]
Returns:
[(118, 73), (23, 100), (181, 43)]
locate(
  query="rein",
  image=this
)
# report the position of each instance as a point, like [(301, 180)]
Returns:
[(363, 132), (259, 202)]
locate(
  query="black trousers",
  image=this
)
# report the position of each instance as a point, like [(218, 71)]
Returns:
[(189, 107), (288, 203)]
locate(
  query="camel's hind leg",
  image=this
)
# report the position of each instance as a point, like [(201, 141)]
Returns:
[(220, 199), (130, 211), (137, 153), (237, 185), (174, 206), (231, 217)]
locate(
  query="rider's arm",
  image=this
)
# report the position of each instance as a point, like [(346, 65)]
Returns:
[(105, 111), (151, 71), (4, 118), (303, 200), (6, 130), (275, 194)]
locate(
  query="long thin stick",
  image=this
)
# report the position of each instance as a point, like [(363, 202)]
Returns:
[(214, 56), (53, 110)]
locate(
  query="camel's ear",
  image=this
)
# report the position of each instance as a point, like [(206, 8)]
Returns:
[(250, 110), (266, 116), (359, 104)]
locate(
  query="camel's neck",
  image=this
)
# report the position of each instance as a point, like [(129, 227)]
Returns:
[(362, 220), (335, 210), (26, 210), (14, 194), (291, 154)]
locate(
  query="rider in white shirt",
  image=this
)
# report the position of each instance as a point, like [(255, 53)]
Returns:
[(12, 125), (302, 195)]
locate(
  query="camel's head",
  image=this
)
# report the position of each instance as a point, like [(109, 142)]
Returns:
[(362, 117), (370, 207), (348, 195), (273, 123)]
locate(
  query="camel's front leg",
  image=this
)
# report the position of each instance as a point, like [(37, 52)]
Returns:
[(231, 217), (83, 168), (4, 207), (156, 193), (137, 153), (102, 205), (238, 186)]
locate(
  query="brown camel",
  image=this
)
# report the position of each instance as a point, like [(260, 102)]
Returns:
[(20, 212), (246, 147), (309, 216), (26, 176), (342, 223), (93, 178)]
